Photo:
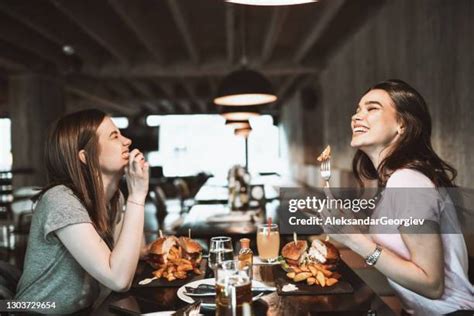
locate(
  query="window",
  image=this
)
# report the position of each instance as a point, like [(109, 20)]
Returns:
[(193, 143), (6, 144)]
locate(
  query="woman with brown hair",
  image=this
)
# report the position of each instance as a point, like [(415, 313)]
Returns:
[(426, 266), (82, 233)]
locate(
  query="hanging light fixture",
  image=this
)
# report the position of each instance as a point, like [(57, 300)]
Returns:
[(236, 124), (245, 132), (245, 87), (240, 113), (271, 2)]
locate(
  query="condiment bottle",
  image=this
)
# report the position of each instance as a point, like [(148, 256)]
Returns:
[(245, 254)]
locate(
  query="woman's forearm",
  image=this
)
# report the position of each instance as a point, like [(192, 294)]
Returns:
[(404, 272), (124, 257)]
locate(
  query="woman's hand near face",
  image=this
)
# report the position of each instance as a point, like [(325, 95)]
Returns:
[(137, 175)]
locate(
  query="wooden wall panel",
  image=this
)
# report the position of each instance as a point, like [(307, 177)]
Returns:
[(427, 43)]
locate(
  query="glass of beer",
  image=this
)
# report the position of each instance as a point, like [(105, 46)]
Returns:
[(268, 242), (233, 289), (220, 250)]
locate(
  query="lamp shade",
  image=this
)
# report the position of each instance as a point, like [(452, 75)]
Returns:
[(270, 2), (237, 124), (245, 132), (244, 87), (239, 113)]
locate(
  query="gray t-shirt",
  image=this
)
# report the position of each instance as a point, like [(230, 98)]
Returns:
[(51, 274)]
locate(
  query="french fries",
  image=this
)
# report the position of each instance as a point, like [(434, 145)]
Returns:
[(176, 267), (314, 274)]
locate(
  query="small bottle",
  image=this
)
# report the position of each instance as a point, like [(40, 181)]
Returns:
[(245, 254)]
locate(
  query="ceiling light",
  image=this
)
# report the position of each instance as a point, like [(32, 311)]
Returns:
[(270, 2), (244, 87), (237, 124), (239, 113), (68, 50), (245, 132)]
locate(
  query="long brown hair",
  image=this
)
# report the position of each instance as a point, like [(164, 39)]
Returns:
[(71, 134), (413, 149)]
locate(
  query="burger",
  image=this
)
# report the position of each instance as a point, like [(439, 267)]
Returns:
[(297, 254), (190, 250), (159, 250), (323, 252)]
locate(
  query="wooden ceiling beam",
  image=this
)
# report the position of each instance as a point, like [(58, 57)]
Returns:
[(136, 15), (142, 88), (275, 26), (18, 56), (286, 85), (201, 104), (23, 14), (317, 29), (184, 30), (97, 27), (10, 65), (102, 101), (95, 91), (170, 92), (23, 37), (217, 69), (230, 32)]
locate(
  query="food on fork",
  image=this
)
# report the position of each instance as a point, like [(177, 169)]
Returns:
[(313, 265), (325, 155), (175, 257)]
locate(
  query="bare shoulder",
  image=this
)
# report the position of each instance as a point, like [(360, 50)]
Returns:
[(409, 178)]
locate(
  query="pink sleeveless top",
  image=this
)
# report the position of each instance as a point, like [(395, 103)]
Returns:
[(458, 291)]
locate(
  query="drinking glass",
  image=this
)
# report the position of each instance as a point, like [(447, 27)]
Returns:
[(220, 250), (233, 289), (268, 242)]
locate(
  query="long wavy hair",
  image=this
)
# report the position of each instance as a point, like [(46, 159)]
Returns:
[(71, 134), (413, 149)]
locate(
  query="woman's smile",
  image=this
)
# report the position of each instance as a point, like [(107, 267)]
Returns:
[(359, 129)]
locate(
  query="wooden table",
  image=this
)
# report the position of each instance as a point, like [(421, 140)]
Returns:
[(358, 303)]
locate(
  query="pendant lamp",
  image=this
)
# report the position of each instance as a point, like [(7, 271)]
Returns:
[(244, 132), (244, 87), (239, 113), (236, 124)]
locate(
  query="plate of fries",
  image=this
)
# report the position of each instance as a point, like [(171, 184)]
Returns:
[(311, 279), (312, 271), (172, 261), (174, 274)]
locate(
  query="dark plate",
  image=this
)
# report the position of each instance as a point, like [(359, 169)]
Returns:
[(147, 272), (341, 287)]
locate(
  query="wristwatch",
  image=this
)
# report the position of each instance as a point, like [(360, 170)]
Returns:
[(372, 258)]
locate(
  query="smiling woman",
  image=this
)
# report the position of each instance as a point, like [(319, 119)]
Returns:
[(81, 233), (391, 131)]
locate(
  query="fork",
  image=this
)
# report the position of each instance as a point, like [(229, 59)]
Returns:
[(325, 170)]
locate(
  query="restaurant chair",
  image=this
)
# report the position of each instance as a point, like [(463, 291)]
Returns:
[(158, 197), (184, 194)]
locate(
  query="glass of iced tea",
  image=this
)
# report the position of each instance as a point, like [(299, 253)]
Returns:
[(268, 242), (233, 289)]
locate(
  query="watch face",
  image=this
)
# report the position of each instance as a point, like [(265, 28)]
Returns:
[(257, 193)]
